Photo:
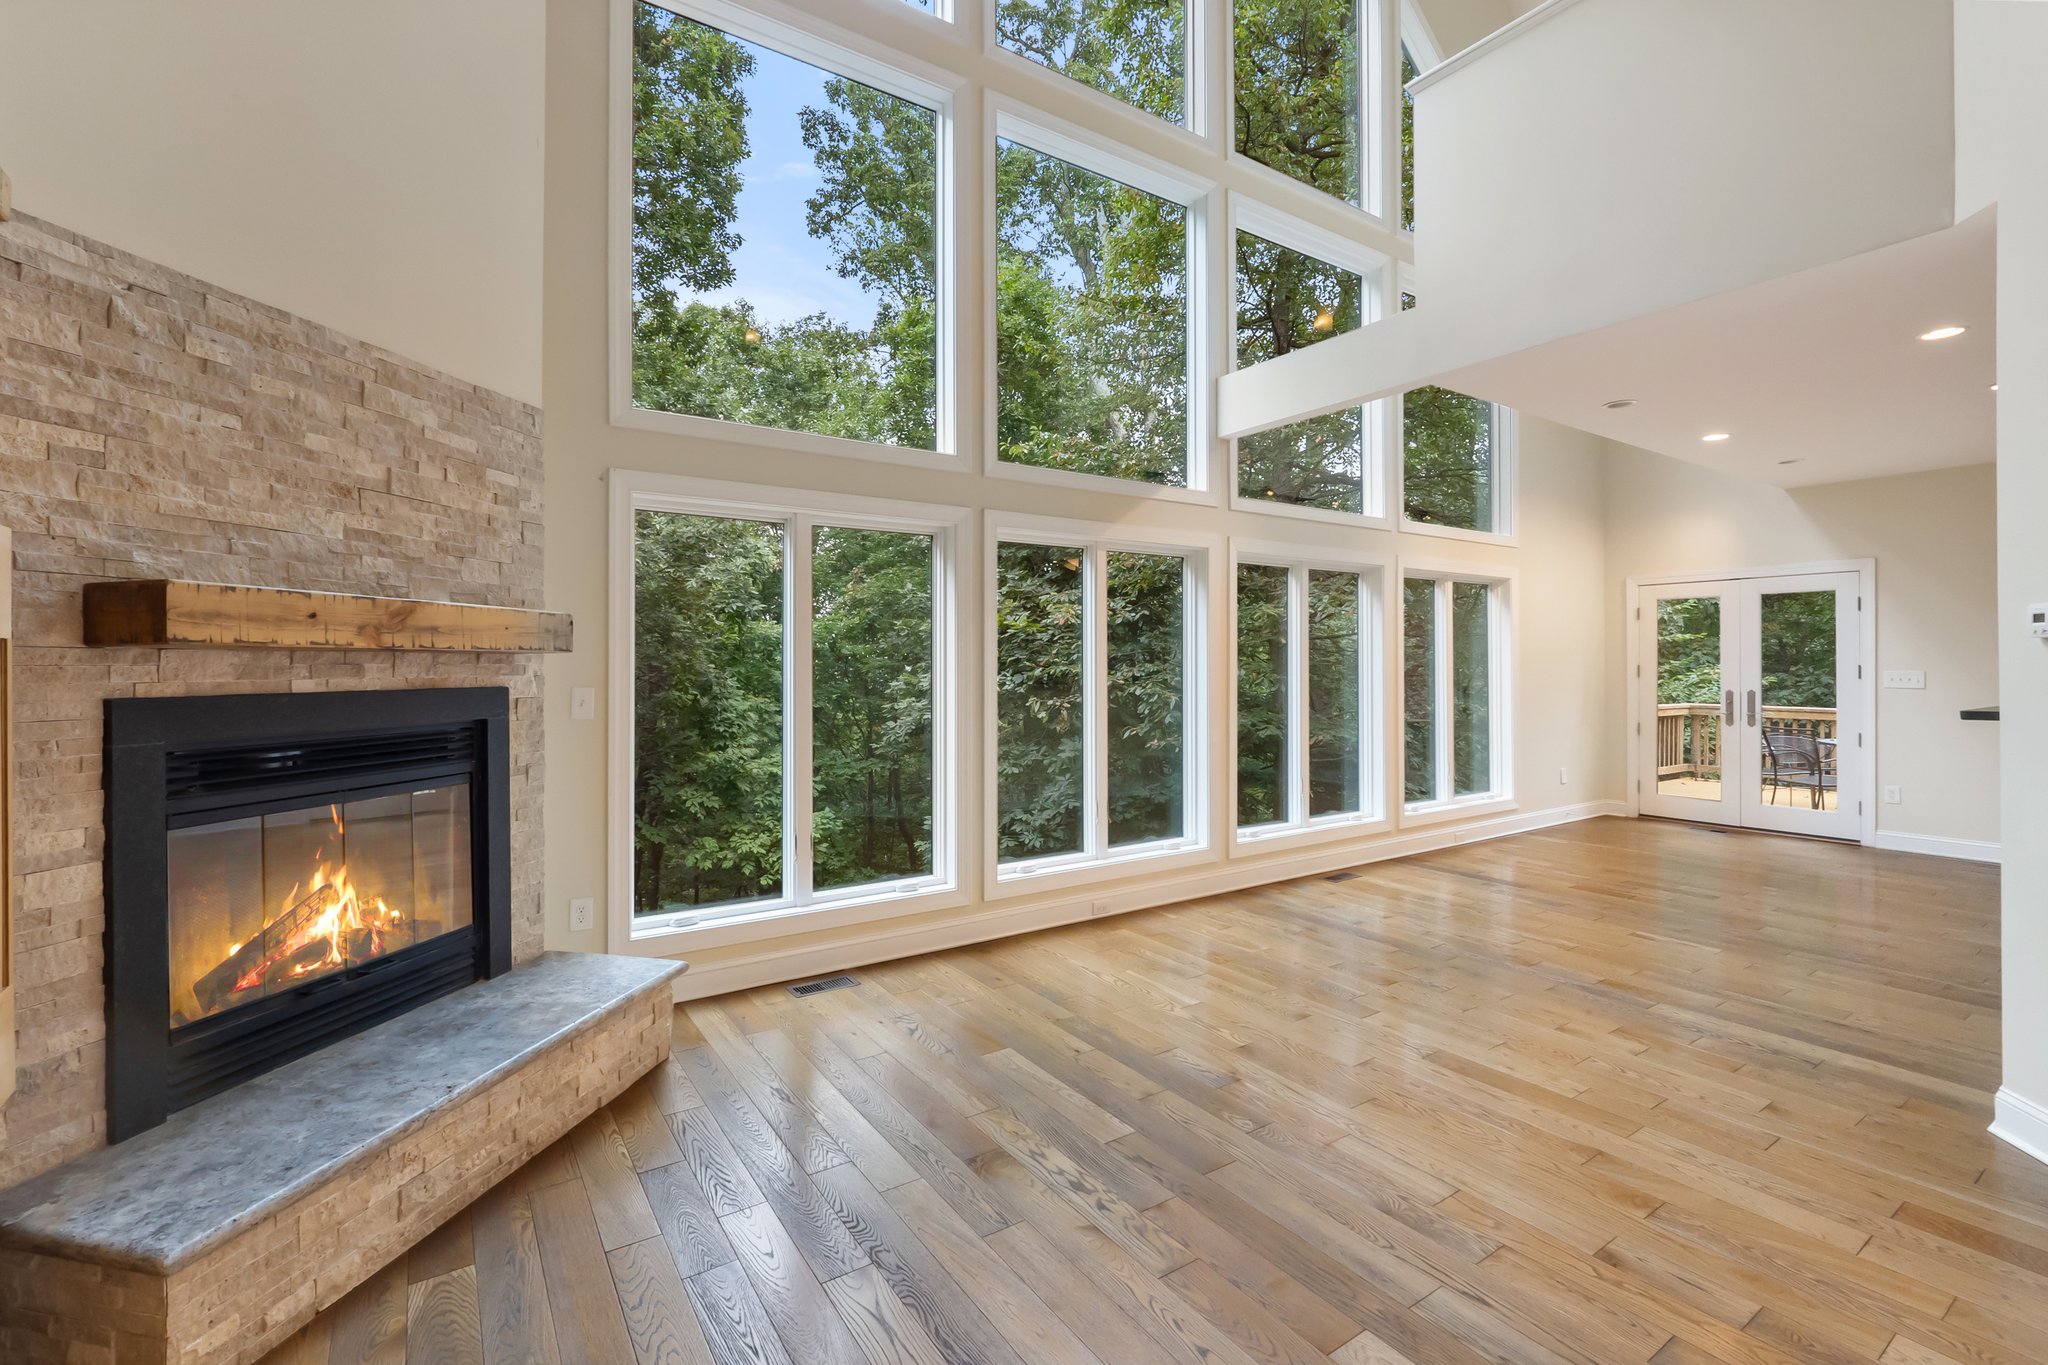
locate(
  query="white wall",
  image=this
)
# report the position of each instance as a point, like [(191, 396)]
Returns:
[(2002, 158), (374, 166), (1561, 726), (1932, 536)]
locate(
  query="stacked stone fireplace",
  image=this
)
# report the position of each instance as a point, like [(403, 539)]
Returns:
[(154, 426)]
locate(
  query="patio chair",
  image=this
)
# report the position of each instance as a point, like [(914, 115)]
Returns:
[(1797, 763)]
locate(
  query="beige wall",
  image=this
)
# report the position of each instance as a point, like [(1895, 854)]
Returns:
[(1560, 561), (1932, 537), (374, 166), (2002, 158)]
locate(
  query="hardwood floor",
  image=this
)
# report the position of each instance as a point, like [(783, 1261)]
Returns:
[(1622, 1091)]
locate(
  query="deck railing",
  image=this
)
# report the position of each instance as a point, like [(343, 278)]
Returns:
[(1689, 733)]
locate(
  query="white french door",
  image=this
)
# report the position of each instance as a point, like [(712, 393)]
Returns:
[(1751, 705)]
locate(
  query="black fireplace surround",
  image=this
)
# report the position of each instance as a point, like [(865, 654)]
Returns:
[(347, 798)]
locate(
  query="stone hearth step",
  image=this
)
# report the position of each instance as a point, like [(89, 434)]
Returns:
[(217, 1235)]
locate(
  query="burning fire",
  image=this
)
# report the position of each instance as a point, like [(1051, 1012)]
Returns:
[(323, 928)]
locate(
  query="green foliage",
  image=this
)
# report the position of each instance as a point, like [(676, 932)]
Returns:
[(1334, 663), (1471, 689), (1286, 300), (1297, 106), (1408, 73), (1039, 720), (1262, 684), (1447, 455), (1147, 667), (1798, 641), (1135, 50), (1689, 651), (1418, 689), (689, 137), (707, 685)]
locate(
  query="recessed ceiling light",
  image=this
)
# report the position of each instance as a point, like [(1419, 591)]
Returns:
[(1616, 404), (1943, 333), (1994, 388), (1715, 436)]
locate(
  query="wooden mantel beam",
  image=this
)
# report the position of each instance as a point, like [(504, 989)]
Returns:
[(171, 614)]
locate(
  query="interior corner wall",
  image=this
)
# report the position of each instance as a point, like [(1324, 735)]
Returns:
[(2002, 159), (372, 166), (1562, 755), (1932, 536)]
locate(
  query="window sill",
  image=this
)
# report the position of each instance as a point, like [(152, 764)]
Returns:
[(1099, 483), (1426, 528), (778, 438), (1328, 830), (780, 922), (1273, 507), (1463, 808), (1054, 875)]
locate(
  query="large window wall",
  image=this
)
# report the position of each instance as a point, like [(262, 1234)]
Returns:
[(1014, 246)]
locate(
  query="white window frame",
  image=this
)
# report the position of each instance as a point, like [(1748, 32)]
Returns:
[(1205, 122), (1507, 438), (1412, 31), (1379, 121), (1379, 424), (797, 513), (1500, 583), (1375, 643), (1008, 120), (1097, 861), (843, 53)]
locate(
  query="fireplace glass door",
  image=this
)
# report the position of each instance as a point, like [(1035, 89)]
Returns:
[(262, 904)]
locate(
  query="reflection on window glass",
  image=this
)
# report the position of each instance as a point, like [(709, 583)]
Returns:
[(1448, 448), (1147, 696), (1040, 724), (1472, 688), (1334, 679), (1689, 697), (1286, 300), (871, 735), (1418, 689), (1262, 687), (1091, 322), (1136, 50), (784, 243), (1298, 105), (707, 707), (1408, 73)]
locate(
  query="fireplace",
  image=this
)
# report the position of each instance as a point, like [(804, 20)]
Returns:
[(287, 870)]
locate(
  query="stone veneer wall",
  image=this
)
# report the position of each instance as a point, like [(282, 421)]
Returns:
[(152, 426)]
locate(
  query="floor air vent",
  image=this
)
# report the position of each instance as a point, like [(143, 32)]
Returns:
[(830, 983), (1342, 877)]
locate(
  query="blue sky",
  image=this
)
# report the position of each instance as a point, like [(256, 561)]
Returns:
[(782, 270)]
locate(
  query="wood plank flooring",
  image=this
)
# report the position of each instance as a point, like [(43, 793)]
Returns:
[(1622, 1091)]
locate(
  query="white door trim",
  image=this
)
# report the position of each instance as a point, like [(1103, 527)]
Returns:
[(1865, 787)]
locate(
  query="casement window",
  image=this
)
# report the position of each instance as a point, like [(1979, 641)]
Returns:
[(1098, 695), (1093, 312), (1454, 688), (788, 700), (1302, 91), (1307, 676), (1288, 298), (1133, 50), (1418, 53), (1457, 456), (787, 269)]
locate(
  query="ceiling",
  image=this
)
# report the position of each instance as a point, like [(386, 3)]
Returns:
[(1818, 377)]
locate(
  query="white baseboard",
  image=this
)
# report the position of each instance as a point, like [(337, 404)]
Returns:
[(778, 962), (1973, 850), (2022, 1123)]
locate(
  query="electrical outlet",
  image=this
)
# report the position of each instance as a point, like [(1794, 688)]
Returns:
[(1905, 677), (1891, 796), (582, 914), (1097, 909), (583, 703)]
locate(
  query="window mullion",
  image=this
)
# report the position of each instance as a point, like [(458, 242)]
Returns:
[(1297, 696), (1445, 682), (1095, 716), (798, 685)]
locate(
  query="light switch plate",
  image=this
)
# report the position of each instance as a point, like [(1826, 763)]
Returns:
[(583, 703), (582, 913), (1904, 677)]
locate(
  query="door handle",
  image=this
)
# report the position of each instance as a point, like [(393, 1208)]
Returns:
[(1751, 704), (1728, 706)]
